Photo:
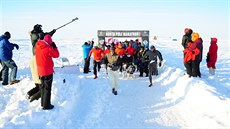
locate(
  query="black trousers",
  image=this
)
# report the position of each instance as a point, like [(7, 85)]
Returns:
[(152, 71), (195, 68), (188, 67), (86, 65), (144, 68), (96, 66), (45, 89), (35, 92)]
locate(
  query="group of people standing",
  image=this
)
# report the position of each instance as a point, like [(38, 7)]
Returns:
[(193, 53), (41, 64), (115, 55)]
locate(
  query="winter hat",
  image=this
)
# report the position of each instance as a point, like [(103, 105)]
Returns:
[(119, 45), (195, 36), (48, 39), (152, 47), (186, 30), (108, 46), (95, 45), (112, 49), (213, 40), (38, 28), (7, 34)]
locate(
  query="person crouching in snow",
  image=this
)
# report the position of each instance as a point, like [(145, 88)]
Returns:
[(98, 56), (113, 61), (45, 50), (152, 54), (212, 56)]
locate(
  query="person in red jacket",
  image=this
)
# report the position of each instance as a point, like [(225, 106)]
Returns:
[(212, 56), (130, 51), (45, 50), (98, 56)]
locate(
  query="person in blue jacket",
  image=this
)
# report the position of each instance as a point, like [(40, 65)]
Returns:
[(6, 55), (86, 47)]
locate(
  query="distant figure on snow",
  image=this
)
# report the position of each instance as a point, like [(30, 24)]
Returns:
[(197, 43), (212, 56), (187, 37)]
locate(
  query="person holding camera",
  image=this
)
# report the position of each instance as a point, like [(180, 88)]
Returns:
[(45, 50), (113, 62)]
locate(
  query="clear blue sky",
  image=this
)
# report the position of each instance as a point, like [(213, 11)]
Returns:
[(162, 17)]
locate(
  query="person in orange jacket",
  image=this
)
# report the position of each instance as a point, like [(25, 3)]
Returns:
[(190, 56), (98, 56), (121, 52)]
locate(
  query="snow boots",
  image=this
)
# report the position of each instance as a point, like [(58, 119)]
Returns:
[(34, 94), (114, 91)]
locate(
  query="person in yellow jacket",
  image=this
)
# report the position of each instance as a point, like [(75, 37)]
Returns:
[(113, 62), (34, 93)]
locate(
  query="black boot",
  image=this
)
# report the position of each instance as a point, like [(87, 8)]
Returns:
[(114, 91), (48, 107), (46, 100), (34, 90), (35, 96), (150, 84)]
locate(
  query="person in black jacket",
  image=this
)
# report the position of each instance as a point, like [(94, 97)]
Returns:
[(187, 37), (36, 34), (152, 55)]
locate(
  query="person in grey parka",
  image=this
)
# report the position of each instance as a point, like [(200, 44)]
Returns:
[(152, 55)]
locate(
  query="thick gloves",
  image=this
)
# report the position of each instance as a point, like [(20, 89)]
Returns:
[(160, 64), (53, 45), (52, 32), (16, 46)]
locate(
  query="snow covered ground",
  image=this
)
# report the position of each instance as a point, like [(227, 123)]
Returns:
[(174, 102)]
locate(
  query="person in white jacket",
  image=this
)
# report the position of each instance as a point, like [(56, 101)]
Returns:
[(113, 62)]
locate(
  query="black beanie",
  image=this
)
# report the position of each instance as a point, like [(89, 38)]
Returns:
[(7, 34), (38, 28)]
